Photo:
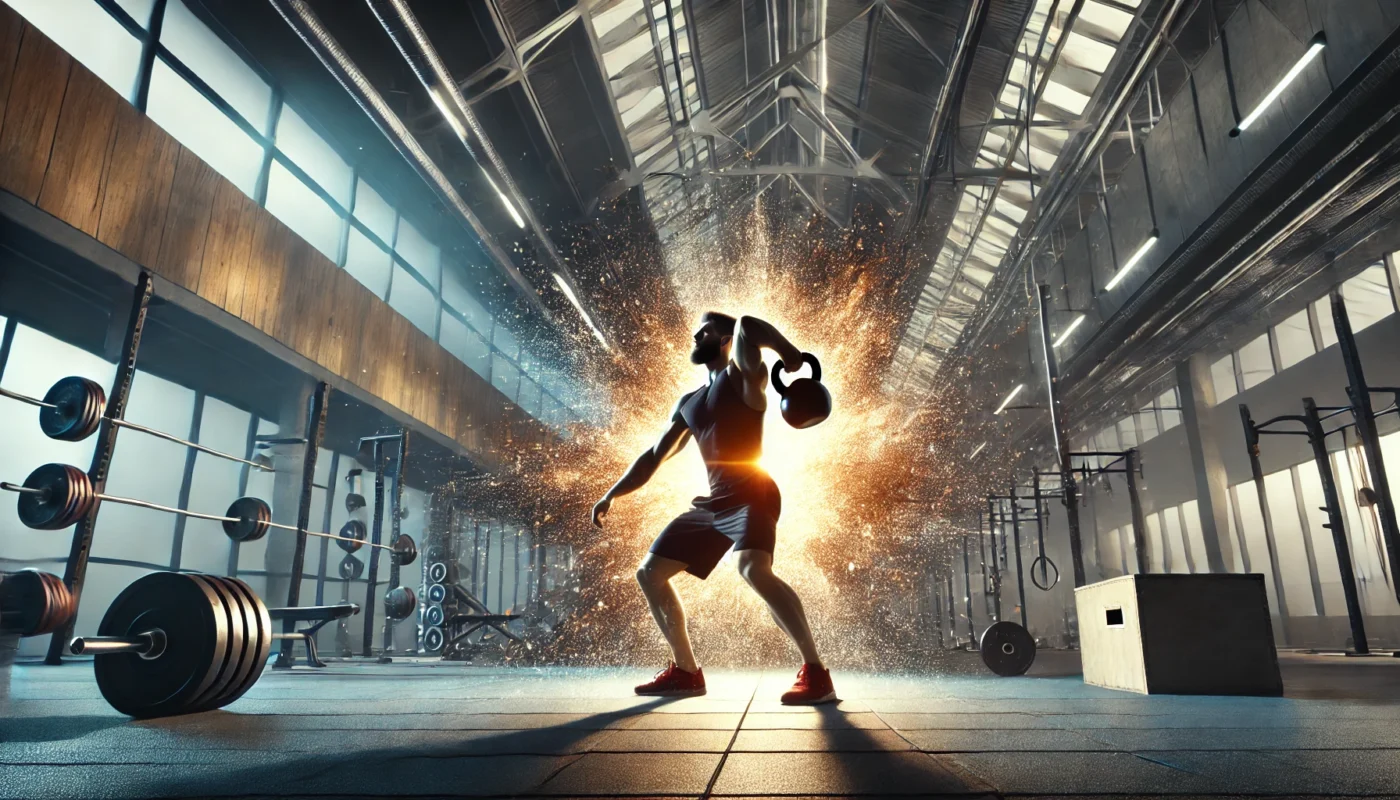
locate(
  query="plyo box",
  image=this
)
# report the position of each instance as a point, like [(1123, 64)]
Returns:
[(1178, 634)]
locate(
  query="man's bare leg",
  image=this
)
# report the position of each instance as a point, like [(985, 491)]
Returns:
[(654, 576), (756, 568)]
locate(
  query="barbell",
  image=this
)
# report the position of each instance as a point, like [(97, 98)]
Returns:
[(71, 410), (34, 603), (180, 643), (55, 496)]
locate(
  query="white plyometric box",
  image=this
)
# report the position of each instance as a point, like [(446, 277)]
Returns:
[(1178, 634)]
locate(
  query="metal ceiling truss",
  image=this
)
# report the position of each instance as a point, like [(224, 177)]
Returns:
[(991, 224), (412, 42)]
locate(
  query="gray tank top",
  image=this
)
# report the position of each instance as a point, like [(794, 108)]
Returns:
[(730, 436)]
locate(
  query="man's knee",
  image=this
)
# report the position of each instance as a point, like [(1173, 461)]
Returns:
[(754, 566), (648, 575)]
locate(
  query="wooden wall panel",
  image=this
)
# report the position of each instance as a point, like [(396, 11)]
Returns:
[(31, 115), (11, 30), (266, 276), (226, 250), (82, 149), (191, 204), (137, 199), (350, 304)]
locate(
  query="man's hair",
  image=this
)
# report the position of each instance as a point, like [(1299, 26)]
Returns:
[(722, 322)]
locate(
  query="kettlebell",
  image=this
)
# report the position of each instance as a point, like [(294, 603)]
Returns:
[(806, 402)]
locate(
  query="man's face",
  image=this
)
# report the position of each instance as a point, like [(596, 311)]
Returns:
[(709, 345)]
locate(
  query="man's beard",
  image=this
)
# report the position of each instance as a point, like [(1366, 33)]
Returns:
[(705, 353)]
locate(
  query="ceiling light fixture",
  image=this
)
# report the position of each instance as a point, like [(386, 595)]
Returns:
[(1063, 336), (1314, 47), (505, 201), (1008, 399), (569, 293), (978, 450), (1132, 262)]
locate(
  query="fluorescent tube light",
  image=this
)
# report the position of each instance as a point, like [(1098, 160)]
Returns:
[(978, 450), (1009, 398), (449, 114), (569, 293), (1132, 262), (505, 201), (1063, 336), (1318, 42)]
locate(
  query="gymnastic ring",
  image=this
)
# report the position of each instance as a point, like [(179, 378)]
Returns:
[(1052, 566)]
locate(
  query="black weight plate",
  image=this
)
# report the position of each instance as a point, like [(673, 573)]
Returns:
[(405, 550), (186, 610), (75, 400), (252, 514), (261, 631), (437, 573), (432, 640), (81, 495), (399, 602), (25, 598), (437, 593), (353, 535), (433, 616), (433, 553), (1007, 648), (351, 568), (53, 510), (225, 667), (354, 502)]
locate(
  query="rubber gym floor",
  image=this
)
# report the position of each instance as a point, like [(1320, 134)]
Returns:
[(443, 729)]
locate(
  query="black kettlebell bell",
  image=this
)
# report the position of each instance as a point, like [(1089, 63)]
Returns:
[(806, 402)]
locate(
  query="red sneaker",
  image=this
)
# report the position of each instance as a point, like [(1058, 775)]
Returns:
[(674, 682), (813, 687)]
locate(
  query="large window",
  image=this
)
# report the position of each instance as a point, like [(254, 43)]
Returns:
[(232, 115)]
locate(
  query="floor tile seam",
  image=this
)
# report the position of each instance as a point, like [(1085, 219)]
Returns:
[(719, 767)]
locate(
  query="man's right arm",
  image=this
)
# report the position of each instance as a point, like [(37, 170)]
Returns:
[(645, 466)]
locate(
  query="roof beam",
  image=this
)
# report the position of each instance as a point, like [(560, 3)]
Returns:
[(513, 52)]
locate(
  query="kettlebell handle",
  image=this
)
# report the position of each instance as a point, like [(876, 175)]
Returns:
[(777, 378)]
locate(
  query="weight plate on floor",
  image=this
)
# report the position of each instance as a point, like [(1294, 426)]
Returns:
[(78, 406), (261, 630), (1007, 648), (228, 662), (437, 593), (185, 610), (437, 573), (433, 616), (351, 568), (353, 535), (432, 640)]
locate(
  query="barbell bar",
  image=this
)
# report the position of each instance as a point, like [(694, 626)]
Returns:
[(72, 410), (55, 496)]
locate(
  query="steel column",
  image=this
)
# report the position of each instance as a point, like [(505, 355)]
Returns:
[(1016, 540), (1317, 437), (396, 520), (75, 571), (1130, 470), (1062, 450), (967, 598), (1360, 395), (376, 535), (315, 433), (1251, 442)]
